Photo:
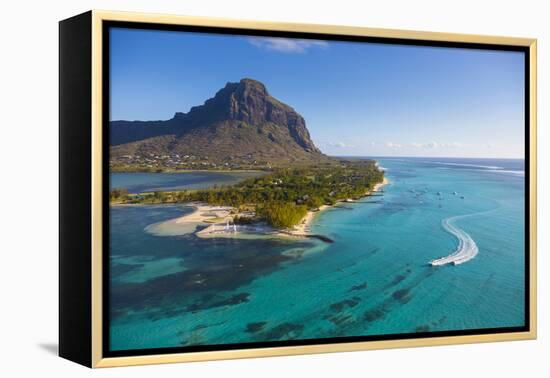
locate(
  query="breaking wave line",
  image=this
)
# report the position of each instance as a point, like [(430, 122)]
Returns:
[(491, 167)]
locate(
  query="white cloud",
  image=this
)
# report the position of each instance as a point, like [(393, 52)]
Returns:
[(286, 45), (424, 145), (393, 145), (431, 145), (339, 145), (452, 145)]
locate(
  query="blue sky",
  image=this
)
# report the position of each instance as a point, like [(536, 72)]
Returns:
[(357, 99)]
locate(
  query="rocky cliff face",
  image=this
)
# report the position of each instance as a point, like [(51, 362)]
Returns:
[(242, 119)]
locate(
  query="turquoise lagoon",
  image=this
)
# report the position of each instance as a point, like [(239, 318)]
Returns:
[(375, 279)]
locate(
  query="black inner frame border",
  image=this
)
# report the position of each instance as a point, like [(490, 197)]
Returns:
[(107, 25)]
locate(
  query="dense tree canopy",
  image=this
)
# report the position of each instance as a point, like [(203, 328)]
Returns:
[(282, 215), (283, 197)]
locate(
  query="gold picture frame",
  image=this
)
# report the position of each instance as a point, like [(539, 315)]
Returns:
[(93, 24)]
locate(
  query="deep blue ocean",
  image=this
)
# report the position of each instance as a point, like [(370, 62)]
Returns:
[(374, 279)]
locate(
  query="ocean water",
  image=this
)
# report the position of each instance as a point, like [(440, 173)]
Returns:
[(375, 279), (150, 182)]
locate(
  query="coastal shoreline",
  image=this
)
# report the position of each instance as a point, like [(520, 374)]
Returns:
[(303, 228), (219, 223)]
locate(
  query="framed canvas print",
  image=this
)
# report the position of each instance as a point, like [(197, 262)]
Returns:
[(236, 189)]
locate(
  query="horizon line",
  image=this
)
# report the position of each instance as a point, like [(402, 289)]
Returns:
[(426, 157)]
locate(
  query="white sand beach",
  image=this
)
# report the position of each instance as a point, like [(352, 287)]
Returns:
[(202, 215), (379, 186), (219, 223)]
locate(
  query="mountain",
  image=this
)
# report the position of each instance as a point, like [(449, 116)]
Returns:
[(242, 123)]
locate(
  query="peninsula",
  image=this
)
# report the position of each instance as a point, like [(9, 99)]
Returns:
[(241, 128)]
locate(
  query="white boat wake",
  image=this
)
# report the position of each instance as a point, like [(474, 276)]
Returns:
[(467, 247)]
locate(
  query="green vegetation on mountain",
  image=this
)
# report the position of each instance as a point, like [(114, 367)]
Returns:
[(241, 127)]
